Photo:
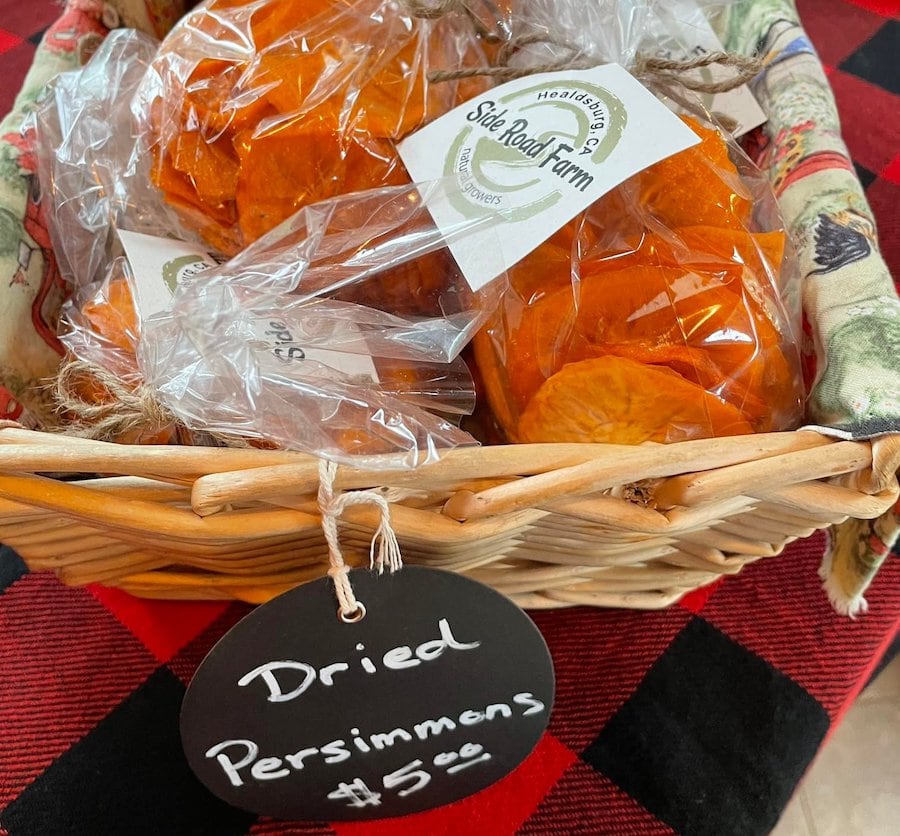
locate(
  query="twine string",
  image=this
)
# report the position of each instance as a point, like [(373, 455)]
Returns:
[(745, 69), (439, 8), (124, 411), (384, 550), (661, 72), (648, 68)]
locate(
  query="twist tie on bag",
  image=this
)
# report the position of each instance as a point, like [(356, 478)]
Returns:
[(332, 504)]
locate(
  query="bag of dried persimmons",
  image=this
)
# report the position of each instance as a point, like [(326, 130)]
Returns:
[(645, 254), (668, 308), (338, 331), (654, 315)]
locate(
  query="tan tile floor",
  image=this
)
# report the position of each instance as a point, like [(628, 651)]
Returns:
[(853, 787)]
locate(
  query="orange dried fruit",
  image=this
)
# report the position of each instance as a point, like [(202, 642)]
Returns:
[(545, 270), (308, 108), (212, 167), (605, 235), (398, 82), (300, 83), (763, 252), (414, 288), (697, 186), (703, 325), (113, 316), (213, 101), (638, 305), (611, 237), (273, 21), (619, 401), (284, 171)]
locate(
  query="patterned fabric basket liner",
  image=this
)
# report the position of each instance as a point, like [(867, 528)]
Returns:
[(567, 524)]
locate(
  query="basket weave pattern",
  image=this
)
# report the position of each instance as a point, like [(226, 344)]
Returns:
[(548, 525)]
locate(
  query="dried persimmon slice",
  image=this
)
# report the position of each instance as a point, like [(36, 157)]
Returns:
[(699, 185), (211, 166), (288, 169), (617, 400), (113, 316)]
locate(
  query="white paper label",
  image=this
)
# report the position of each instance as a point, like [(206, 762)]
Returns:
[(283, 350), (538, 150), (158, 265), (681, 31)]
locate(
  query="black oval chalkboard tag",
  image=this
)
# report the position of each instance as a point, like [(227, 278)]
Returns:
[(444, 687)]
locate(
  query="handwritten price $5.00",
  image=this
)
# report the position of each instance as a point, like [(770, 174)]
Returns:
[(443, 688)]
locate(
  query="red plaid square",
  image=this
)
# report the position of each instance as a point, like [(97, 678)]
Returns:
[(496, 811), (163, 626), (773, 610), (67, 662), (587, 802)]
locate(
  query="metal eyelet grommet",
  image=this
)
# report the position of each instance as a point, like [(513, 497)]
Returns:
[(353, 617)]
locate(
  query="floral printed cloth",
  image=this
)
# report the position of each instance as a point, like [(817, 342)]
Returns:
[(31, 288), (849, 298), (848, 295)]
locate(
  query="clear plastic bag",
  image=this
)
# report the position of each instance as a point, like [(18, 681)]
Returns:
[(657, 315), (259, 108), (103, 328), (92, 162), (338, 332), (667, 311)]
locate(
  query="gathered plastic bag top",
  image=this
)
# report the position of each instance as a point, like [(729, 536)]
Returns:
[(260, 108), (299, 339)]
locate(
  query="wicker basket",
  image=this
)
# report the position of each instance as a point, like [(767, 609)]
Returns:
[(549, 525)]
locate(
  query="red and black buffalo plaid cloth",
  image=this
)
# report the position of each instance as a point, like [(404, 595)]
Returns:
[(698, 720)]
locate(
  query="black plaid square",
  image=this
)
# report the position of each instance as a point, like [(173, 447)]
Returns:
[(35, 39), (12, 567), (866, 177), (713, 740), (876, 60), (128, 776)]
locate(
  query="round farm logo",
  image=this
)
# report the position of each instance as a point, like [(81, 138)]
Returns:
[(521, 153)]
